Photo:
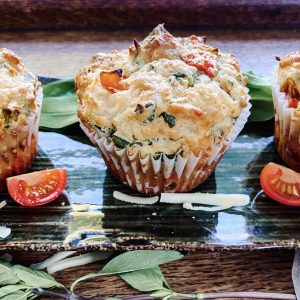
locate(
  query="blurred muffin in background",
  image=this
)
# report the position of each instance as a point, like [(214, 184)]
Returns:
[(286, 96), (163, 112), (20, 105)]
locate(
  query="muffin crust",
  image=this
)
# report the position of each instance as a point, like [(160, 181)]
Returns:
[(175, 95)]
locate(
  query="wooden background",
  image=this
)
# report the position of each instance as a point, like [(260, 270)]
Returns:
[(68, 14)]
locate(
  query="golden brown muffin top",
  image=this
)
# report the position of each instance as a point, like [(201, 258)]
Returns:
[(18, 89), (163, 95), (289, 74)]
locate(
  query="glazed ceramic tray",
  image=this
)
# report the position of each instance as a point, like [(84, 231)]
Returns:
[(88, 217)]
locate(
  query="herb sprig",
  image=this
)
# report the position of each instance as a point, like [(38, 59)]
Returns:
[(19, 282), (139, 268)]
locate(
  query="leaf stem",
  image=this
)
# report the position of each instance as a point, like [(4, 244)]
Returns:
[(235, 295)]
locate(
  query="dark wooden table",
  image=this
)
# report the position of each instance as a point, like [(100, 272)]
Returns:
[(62, 53)]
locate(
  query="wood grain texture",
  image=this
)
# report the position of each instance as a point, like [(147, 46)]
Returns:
[(63, 53), (262, 271), (68, 14)]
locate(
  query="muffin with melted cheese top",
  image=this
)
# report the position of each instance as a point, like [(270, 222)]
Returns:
[(286, 96), (162, 112), (20, 103)]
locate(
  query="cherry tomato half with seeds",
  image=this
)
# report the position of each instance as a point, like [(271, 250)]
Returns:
[(37, 188), (281, 184)]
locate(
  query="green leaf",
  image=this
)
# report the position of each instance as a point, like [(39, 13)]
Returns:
[(59, 105), (146, 280), (119, 142), (6, 290), (6, 275), (34, 278), (139, 260), (60, 87), (261, 98), (7, 278), (18, 295), (4, 266), (133, 261)]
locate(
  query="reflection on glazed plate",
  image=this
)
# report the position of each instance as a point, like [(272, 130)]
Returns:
[(87, 216)]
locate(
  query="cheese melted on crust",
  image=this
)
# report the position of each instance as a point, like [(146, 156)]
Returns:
[(18, 88), (289, 74), (179, 95)]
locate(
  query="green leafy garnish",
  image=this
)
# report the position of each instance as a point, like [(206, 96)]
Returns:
[(169, 119), (179, 75), (19, 282), (119, 142), (147, 280), (133, 261), (59, 105), (261, 98)]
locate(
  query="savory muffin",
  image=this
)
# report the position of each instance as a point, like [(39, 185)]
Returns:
[(20, 103), (286, 95), (162, 111)]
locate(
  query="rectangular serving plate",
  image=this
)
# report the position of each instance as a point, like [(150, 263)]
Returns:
[(88, 217)]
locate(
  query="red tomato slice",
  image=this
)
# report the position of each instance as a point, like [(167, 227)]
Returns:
[(293, 102), (37, 188), (281, 184), (111, 80), (201, 62)]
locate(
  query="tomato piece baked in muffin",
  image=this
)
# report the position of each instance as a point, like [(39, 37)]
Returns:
[(286, 96), (162, 112), (20, 105)]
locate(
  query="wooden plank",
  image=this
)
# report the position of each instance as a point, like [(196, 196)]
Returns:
[(63, 53), (55, 14)]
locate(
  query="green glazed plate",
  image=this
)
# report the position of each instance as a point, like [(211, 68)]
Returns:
[(88, 217)]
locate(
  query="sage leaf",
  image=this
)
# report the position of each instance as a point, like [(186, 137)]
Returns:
[(4, 266), (261, 98), (146, 280), (8, 289), (59, 105), (78, 260), (133, 261), (7, 278), (51, 260), (18, 295), (58, 112), (139, 260), (34, 278)]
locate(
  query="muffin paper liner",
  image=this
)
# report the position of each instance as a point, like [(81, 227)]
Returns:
[(18, 144), (287, 128), (151, 175)]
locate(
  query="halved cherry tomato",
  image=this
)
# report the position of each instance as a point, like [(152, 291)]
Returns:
[(111, 80), (293, 102), (37, 188), (281, 184), (201, 62)]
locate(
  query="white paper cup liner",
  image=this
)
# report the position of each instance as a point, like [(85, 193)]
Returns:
[(287, 128), (153, 176), (18, 145)]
